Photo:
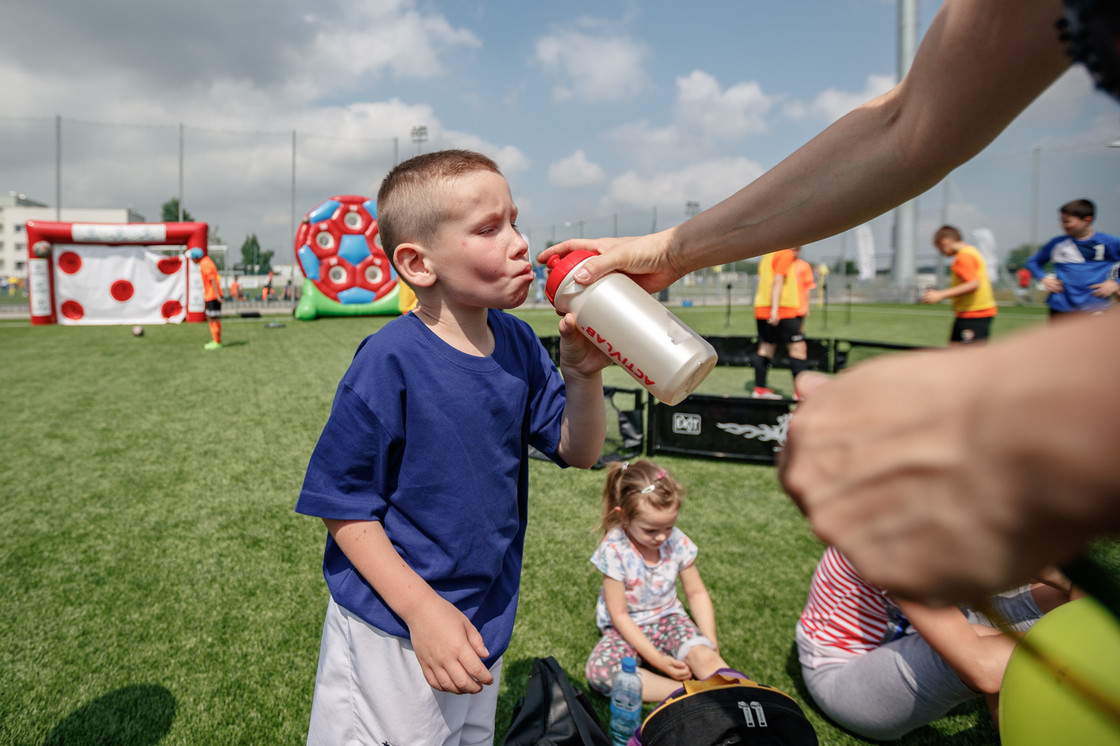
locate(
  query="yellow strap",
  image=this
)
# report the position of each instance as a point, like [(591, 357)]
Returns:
[(715, 681)]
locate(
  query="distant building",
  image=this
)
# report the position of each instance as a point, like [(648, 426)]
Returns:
[(16, 209)]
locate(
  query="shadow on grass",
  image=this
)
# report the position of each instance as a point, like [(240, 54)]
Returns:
[(515, 682), (137, 715), (515, 678)]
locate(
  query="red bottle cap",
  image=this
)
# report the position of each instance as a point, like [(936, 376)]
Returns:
[(559, 267)]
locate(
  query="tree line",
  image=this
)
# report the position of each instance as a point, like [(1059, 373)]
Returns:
[(254, 260)]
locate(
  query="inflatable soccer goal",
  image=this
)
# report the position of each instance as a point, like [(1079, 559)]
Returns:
[(114, 273)]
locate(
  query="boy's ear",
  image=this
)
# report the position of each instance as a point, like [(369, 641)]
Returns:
[(413, 266)]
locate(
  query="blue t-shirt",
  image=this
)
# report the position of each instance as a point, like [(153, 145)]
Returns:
[(1079, 264), (433, 443)]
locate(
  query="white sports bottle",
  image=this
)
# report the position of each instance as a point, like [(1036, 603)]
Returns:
[(667, 358)]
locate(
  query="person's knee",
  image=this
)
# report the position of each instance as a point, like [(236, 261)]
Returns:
[(704, 661), (872, 704), (599, 677), (875, 726)]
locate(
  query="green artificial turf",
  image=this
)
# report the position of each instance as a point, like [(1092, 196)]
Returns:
[(159, 587)]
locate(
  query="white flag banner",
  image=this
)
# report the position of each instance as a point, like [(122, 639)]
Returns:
[(865, 246), (119, 285), (986, 242)]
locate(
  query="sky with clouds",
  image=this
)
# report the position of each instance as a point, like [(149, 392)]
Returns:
[(592, 109)]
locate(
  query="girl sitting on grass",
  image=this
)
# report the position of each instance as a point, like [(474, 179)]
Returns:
[(641, 556)]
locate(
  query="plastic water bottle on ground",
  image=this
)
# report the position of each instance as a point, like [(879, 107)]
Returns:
[(626, 702)]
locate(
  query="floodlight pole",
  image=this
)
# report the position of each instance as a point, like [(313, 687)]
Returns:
[(293, 189), (180, 172), (906, 215), (727, 323), (824, 306), (58, 167), (1035, 156), (419, 136), (691, 210)]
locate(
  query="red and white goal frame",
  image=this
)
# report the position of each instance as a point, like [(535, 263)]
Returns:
[(47, 256)]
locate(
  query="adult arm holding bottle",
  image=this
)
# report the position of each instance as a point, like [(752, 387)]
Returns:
[(990, 59), (1006, 405)]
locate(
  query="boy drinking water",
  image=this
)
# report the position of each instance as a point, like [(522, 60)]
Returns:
[(421, 471)]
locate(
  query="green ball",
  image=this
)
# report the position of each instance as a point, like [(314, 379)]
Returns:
[(1038, 705)]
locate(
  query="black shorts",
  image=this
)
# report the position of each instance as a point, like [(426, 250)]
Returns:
[(787, 331), (967, 331), (213, 309)]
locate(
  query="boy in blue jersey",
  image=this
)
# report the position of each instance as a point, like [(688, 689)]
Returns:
[(1081, 259), (421, 471)]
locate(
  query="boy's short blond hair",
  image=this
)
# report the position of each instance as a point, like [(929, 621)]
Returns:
[(409, 204)]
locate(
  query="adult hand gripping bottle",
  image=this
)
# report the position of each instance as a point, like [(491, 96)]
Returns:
[(626, 702), (634, 330)]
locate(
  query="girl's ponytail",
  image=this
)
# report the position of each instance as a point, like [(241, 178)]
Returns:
[(628, 486)]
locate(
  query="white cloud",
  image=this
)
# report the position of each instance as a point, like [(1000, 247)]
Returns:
[(706, 109), (1097, 121), (511, 160), (592, 68), (706, 117), (575, 171), (649, 147), (251, 73), (32, 93), (707, 183), (373, 37), (370, 120), (833, 103)]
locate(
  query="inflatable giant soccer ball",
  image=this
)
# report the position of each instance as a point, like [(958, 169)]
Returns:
[(346, 270)]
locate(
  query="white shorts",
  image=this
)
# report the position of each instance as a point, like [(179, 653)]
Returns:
[(369, 689)]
